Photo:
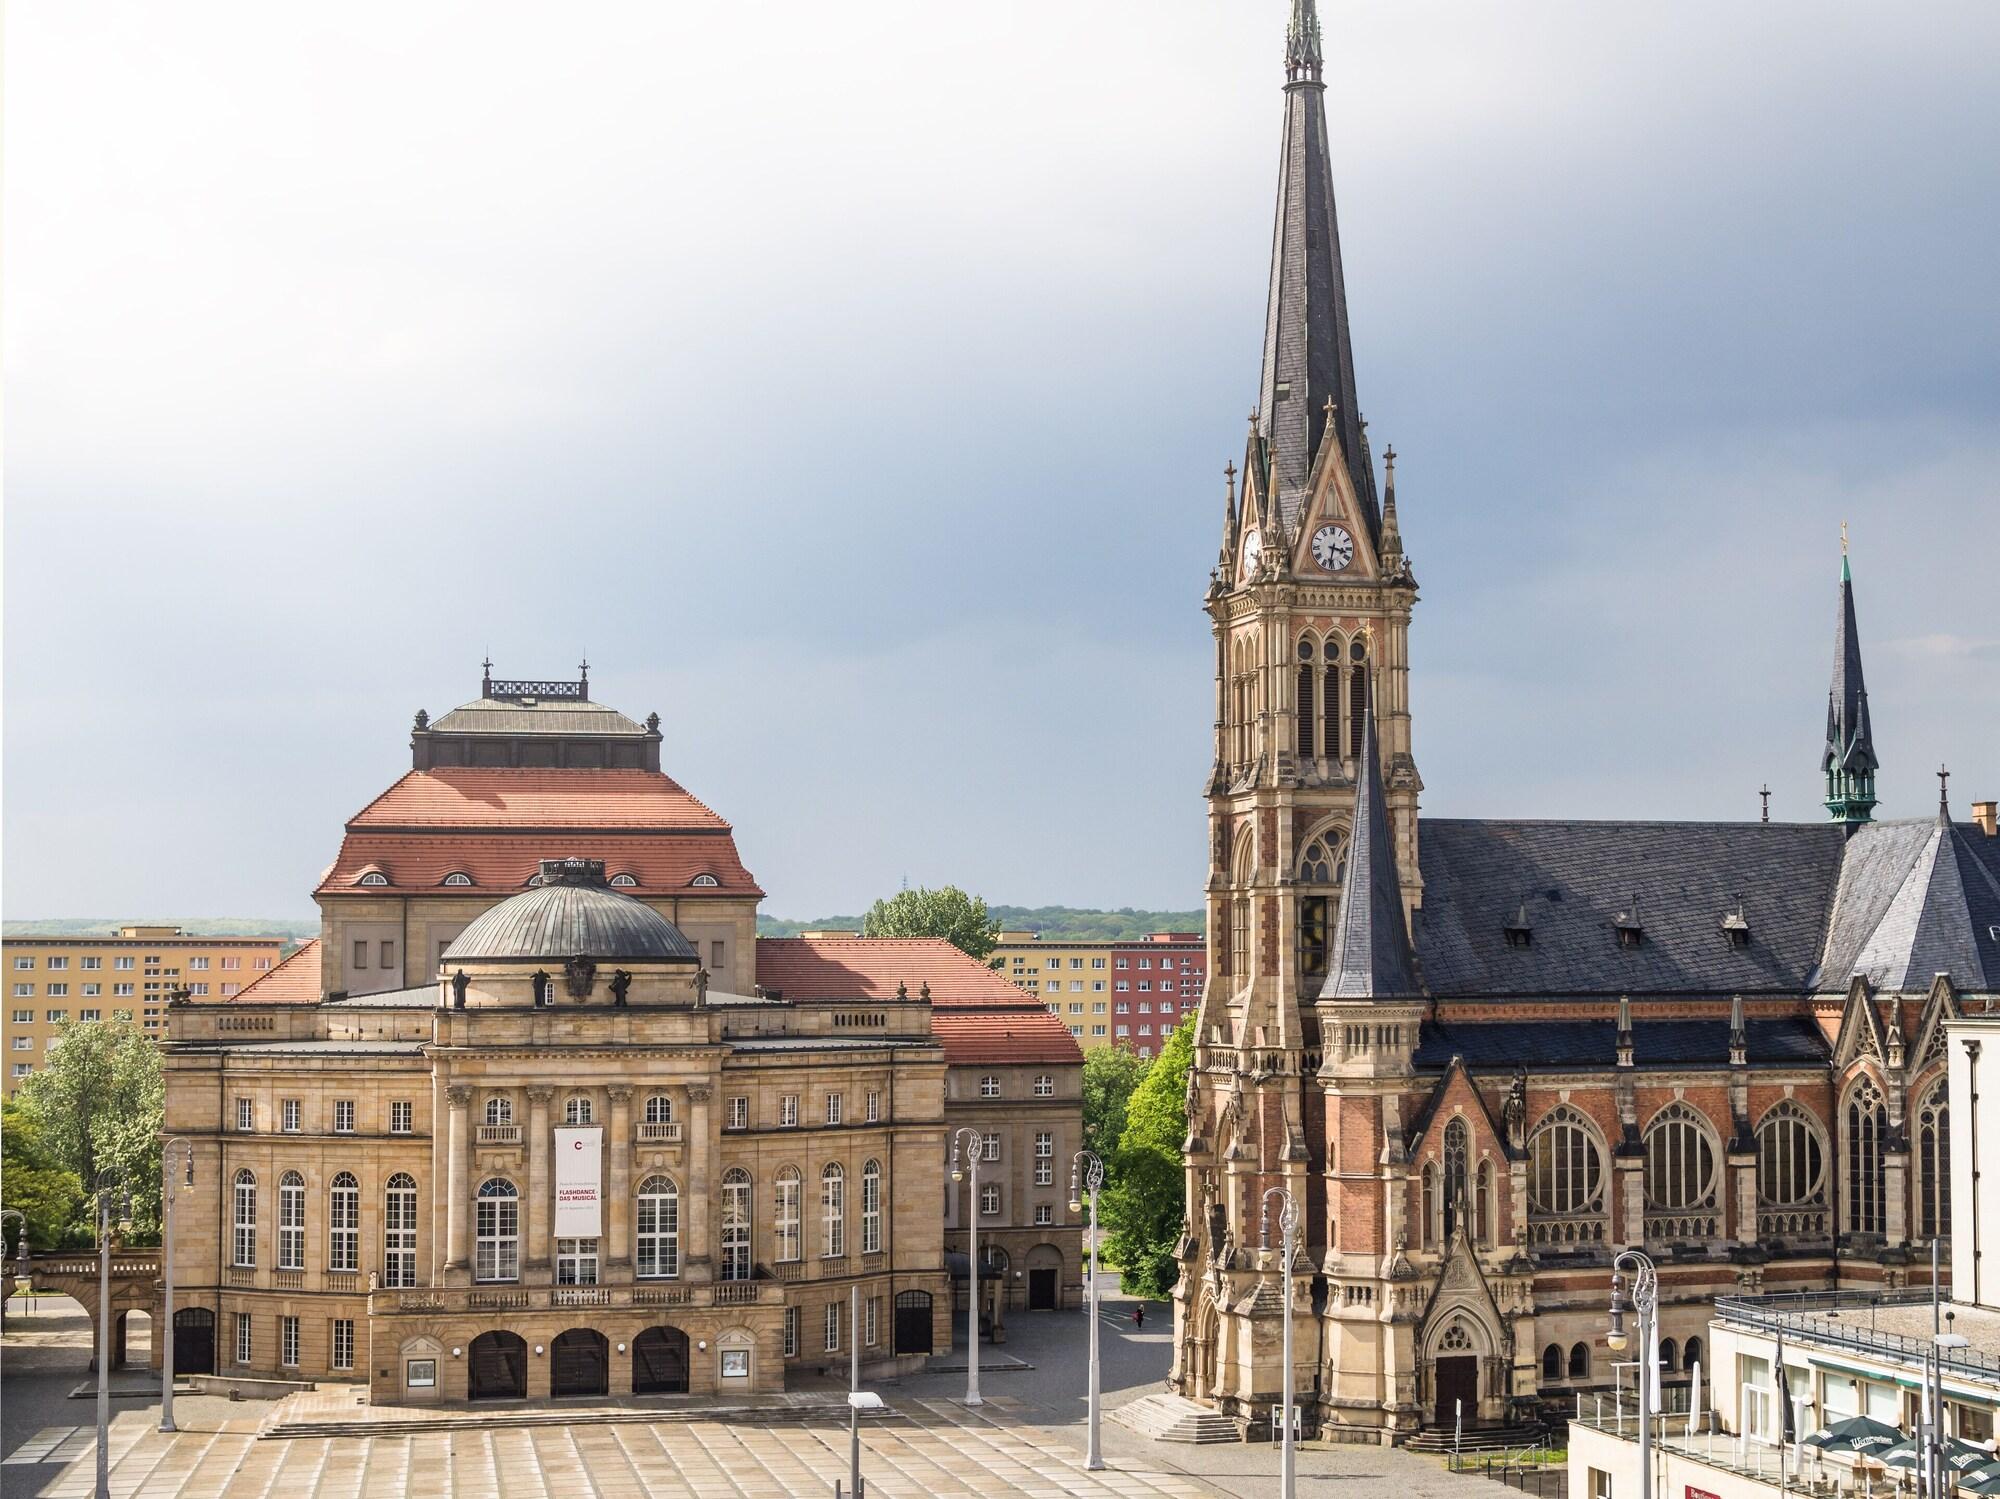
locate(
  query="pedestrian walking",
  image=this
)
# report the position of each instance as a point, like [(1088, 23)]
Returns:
[(1139, 1315)]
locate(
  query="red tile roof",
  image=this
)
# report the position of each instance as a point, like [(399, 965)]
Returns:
[(1003, 1034), (418, 862), (295, 981), (872, 967), (460, 797)]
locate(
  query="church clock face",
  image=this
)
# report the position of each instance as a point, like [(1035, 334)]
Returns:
[(1253, 548), (1332, 548)]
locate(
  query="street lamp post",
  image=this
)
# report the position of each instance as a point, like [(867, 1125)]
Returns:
[(111, 1194), (1086, 1170), (169, 1190), (971, 1256), (1646, 1302), (1288, 1227)]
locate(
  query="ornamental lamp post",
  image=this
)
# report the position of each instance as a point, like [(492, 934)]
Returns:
[(169, 1190), (1645, 1301), (1086, 1169), (1288, 1226), (111, 1195), (971, 1256)]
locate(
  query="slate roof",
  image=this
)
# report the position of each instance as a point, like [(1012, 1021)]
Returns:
[(872, 967), (1371, 947), (560, 716), (1576, 878), (1565, 1045), (1943, 918), (295, 981)]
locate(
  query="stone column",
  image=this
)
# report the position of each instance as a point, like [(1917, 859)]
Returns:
[(458, 1147), (697, 1204), (618, 1185), (1743, 1176), (535, 1268)]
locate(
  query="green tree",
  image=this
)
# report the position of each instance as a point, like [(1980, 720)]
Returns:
[(33, 1184), (1110, 1073), (950, 913), (98, 1102), (1148, 1197)]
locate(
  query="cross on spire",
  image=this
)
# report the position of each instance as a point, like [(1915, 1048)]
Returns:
[(1944, 784), (1766, 795)]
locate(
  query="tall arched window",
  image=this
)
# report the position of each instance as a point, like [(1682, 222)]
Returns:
[(659, 1109), (1321, 865), (399, 1230), (1680, 1174), (1484, 1230), (1691, 1354), (1867, 1167), (343, 1223), (244, 1244), (1329, 680), (1565, 1181), (871, 1208), (1239, 915), (1934, 1166), (735, 1224), (577, 1111), (497, 1231), (291, 1221), (659, 1230), (1579, 1361), (833, 1210), (499, 1110), (790, 1247), (1669, 1354), (1427, 1228), (1552, 1362), (1357, 693), (1457, 1179), (1306, 714), (1791, 1174)]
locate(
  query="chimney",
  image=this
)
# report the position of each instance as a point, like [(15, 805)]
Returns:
[(1986, 817)]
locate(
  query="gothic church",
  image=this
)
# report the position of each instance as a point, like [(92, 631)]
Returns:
[(1484, 1056)]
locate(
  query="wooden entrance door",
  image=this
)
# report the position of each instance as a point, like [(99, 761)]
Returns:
[(1041, 1290), (1457, 1380)]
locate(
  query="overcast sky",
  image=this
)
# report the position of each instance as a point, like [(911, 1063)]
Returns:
[(853, 383)]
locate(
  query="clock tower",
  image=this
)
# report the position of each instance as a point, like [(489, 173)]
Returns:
[(1312, 778)]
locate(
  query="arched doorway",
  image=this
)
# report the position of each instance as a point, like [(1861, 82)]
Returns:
[(913, 1322), (580, 1363), (660, 1362), (194, 1341), (497, 1367), (1044, 1278)]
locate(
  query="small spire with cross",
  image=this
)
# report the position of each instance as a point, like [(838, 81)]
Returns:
[(1843, 538), (1944, 800)]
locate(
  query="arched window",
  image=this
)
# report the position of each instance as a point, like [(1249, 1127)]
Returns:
[(1483, 1227), (1669, 1353), (1427, 1228), (343, 1223), (1934, 1166), (735, 1224), (1867, 1168), (291, 1221), (497, 1231), (1457, 1182), (704, 882), (457, 880), (245, 1241), (833, 1210), (1791, 1174), (871, 1208), (399, 1230), (1565, 1181), (577, 1111), (1239, 915), (623, 882), (1579, 1361), (1691, 1353), (659, 1109), (787, 1221), (1322, 864), (1306, 714), (1680, 1173), (659, 1255), (1329, 704), (499, 1110), (1357, 693), (1552, 1362), (374, 879)]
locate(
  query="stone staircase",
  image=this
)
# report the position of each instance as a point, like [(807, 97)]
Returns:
[(1484, 1440), (1171, 1418)]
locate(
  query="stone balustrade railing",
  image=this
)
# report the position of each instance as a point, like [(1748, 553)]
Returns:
[(510, 1298)]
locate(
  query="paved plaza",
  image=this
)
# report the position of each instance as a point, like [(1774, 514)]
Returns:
[(1027, 1439)]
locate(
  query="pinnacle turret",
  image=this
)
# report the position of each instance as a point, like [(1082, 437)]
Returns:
[(1371, 944), (1849, 759)]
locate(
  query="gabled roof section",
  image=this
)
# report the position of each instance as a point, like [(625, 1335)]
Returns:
[(295, 981), (1371, 946), (1433, 1105), (480, 797), (1308, 351), (1002, 1035), (1941, 919), (874, 967)]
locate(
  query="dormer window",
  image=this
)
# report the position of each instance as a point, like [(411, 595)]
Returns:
[(1736, 928), (704, 882), (457, 879), (374, 879), (1631, 931), (1518, 931), (623, 882)]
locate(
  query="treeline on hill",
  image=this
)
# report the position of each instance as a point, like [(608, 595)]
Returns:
[(1064, 923)]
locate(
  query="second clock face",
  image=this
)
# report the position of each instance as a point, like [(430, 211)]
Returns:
[(1253, 548), (1332, 548)]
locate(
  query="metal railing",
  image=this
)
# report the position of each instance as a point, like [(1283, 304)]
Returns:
[(1834, 1319)]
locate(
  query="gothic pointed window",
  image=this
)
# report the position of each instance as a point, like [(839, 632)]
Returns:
[(1484, 1230), (1565, 1182), (1357, 693), (1239, 916), (1426, 1229), (1791, 1174), (1552, 1362), (1579, 1361), (1321, 865), (1867, 1165), (1681, 1174), (1934, 1166), (1457, 1194), (1306, 714), (1329, 678)]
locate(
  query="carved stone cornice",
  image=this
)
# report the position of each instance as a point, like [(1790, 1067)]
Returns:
[(459, 1095), (698, 1092), (540, 1096), (620, 1094)]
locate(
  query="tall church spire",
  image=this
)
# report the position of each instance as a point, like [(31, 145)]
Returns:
[(1849, 761), (1371, 945), (1308, 353)]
